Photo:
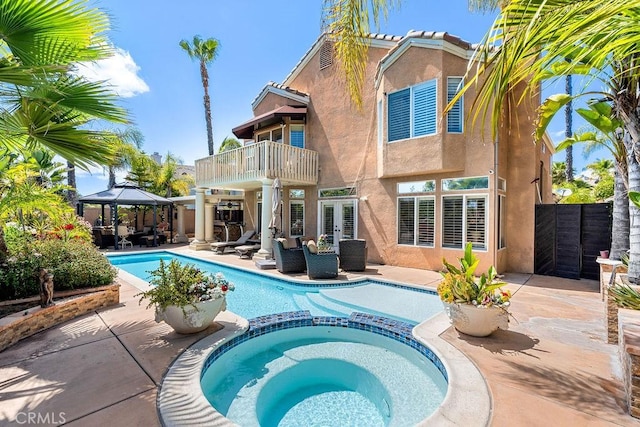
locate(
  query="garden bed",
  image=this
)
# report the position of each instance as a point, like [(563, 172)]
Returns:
[(33, 319)]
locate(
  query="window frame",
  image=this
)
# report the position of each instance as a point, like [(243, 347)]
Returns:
[(416, 221), (301, 203), (270, 135), (460, 102), (465, 224), (501, 235), (304, 134), (427, 84)]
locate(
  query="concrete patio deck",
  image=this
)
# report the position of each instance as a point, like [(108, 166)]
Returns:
[(552, 368)]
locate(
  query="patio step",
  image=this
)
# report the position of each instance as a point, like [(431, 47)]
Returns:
[(302, 301), (324, 304)]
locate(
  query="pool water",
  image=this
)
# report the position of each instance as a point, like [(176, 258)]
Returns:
[(259, 295), (323, 376)]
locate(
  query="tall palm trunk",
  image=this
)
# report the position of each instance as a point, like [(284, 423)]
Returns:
[(4, 252), (112, 177), (620, 225), (634, 214), (72, 192), (568, 131), (207, 105)]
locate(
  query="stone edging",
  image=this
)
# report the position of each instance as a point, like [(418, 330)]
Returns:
[(25, 323)]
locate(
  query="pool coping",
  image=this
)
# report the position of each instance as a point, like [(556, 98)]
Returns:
[(467, 402)]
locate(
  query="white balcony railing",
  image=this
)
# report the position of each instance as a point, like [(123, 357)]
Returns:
[(242, 167)]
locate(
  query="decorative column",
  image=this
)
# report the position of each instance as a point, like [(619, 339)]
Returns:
[(266, 245), (181, 237), (199, 243), (208, 222)]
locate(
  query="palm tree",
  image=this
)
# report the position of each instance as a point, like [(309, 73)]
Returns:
[(43, 102), (568, 128), (127, 144), (535, 40), (229, 143), (559, 173), (205, 52), (601, 167), (609, 135), (168, 183)]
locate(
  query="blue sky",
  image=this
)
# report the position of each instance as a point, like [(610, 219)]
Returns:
[(260, 41)]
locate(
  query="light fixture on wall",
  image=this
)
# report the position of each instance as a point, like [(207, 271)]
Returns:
[(364, 199)]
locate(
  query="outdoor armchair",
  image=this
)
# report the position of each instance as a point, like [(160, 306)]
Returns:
[(288, 260), (353, 255), (320, 265)]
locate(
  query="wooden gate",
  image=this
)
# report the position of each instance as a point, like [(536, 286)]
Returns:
[(569, 238)]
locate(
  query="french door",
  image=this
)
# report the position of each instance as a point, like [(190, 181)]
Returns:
[(338, 220)]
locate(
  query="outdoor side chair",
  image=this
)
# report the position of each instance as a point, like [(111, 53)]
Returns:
[(353, 254), (289, 260), (321, 265)]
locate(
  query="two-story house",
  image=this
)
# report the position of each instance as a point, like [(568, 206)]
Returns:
[(416, 184)]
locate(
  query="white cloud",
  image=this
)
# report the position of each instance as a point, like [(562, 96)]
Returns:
[(119, 70)]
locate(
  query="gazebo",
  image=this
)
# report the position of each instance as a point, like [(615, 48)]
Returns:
[(128, 194)]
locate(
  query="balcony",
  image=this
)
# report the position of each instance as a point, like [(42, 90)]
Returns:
[(245, 168)]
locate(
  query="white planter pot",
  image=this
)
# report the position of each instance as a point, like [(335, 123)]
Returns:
[(474, 321), (194, 318)]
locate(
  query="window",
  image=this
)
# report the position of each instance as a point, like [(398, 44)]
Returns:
[(296, 194), (464, 219), (502, 240), (475, 183), (416, 221), (338, 192), (272, 135), (455, 115), (296, 218), (296, 136), (411, 112), (417, 187)]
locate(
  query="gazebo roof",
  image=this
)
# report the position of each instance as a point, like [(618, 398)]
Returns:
[(125, 194)]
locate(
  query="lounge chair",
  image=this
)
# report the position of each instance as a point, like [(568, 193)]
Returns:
[(353, 255), (320, 265), (220, 247), (247, 251), (288, 260)]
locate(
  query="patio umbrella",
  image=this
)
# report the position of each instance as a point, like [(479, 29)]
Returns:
[(275, 205)]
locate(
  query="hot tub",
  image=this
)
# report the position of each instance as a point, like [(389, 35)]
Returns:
[(362, 370)]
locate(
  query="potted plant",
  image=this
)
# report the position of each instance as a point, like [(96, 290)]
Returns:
[(476, 306), (185, 297)]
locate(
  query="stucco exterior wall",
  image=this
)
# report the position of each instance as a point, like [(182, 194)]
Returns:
[(351, 154)]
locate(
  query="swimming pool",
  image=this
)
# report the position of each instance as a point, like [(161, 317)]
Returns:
[(259, 295)]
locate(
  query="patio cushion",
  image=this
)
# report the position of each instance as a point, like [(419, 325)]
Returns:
[(313, 248), (285, 242)]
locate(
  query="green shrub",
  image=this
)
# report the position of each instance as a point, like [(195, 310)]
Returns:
[(74, 264)]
